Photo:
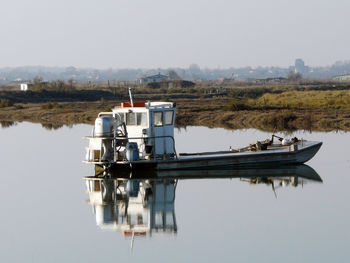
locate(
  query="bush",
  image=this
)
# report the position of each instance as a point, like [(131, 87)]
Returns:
[(50, 105), (236, 105), (19, 107), (281, 120), (5, 103)]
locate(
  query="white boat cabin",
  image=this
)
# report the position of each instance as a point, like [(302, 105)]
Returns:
[(133, 131)]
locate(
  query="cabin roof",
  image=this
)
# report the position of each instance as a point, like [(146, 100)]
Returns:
[(146, 105)]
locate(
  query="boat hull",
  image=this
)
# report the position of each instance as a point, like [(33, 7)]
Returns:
[(230, 160)]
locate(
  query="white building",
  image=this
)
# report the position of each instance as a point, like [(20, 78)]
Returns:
[(154, 78), (25, 86)]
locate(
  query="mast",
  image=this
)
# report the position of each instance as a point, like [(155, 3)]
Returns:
[(130, 95)]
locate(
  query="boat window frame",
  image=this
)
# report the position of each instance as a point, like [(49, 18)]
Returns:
[(126, 118), (161, 118), (122, 117), (145, 119), (172, 117)]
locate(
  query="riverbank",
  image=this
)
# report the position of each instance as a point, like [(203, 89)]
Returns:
[(313, 105), (214, 112)]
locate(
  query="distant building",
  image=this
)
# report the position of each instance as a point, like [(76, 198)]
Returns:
[(25, 86), (154, 78), (28, 86), (168, 84), (271, 80), (345, 77), (223, 81), (300, 66)]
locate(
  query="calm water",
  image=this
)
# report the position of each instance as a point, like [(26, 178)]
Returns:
[(46, 215)]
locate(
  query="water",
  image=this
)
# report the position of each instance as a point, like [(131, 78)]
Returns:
[(46, 215)]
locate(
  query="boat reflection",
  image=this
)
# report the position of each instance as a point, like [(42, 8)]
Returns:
[(143, 204), (132, 206)]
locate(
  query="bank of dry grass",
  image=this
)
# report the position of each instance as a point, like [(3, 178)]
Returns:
[(220, 113), (307, 110), (303, 100)]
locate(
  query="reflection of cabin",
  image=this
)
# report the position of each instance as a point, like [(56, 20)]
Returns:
[(133, 207)]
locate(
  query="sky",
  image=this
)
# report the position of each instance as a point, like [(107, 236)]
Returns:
[(163, 33)]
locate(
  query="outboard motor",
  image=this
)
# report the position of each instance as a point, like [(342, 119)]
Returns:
[(104, 126)]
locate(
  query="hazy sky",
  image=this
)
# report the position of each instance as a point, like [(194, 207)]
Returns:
[(162, 33)]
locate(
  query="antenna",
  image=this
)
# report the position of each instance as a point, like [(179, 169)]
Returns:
[(130, 95), (132, 241), (273, 188)]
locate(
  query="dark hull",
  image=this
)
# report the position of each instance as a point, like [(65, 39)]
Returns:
[(227, 161)]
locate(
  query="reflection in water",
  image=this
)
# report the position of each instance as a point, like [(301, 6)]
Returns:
[(132, 206), (7, 124), (143, 203), (51, 126)]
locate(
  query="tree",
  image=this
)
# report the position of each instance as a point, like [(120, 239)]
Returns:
[(70, 85), (37, 83), (37, 80)]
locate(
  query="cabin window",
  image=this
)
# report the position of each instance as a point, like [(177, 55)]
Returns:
[(130, 118), (168, 118), (122, 117), (141, 118), (158, 118)]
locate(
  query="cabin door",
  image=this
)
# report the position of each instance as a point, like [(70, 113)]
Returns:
[(158, 131), (163, 128)]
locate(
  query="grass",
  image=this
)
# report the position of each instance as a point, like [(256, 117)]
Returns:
[(5, 103), (268, 108), (303, 100), (50, 105)]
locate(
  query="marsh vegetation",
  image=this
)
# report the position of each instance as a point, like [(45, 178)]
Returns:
[(308, 105)]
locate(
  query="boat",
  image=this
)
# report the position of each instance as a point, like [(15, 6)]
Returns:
[(140, 135)]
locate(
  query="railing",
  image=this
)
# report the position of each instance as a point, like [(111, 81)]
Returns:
[(156, 137), (133, 138)]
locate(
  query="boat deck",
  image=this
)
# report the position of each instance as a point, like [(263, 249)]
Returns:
[(273, 155)]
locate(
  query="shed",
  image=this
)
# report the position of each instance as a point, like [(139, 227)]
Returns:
[(25, 86), (154, 78), (345, 77)]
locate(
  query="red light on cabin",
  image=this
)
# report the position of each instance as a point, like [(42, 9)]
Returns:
[(136, 104)]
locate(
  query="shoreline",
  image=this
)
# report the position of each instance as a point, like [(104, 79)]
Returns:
[(211, 113)]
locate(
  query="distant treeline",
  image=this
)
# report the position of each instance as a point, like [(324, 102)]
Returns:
[(59, 96), (61, 91), (257, 91), (193, 72)]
